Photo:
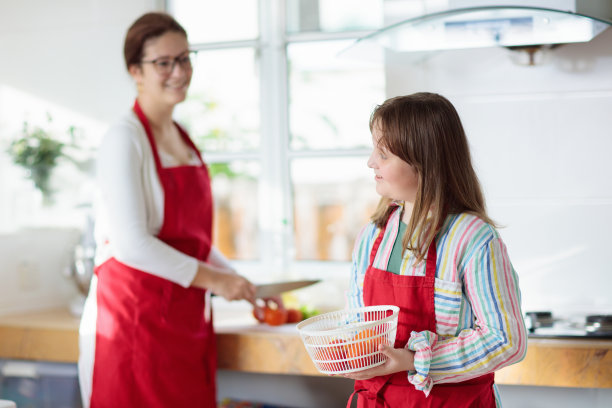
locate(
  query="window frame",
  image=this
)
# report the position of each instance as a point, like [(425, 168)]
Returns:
[(275, 199)]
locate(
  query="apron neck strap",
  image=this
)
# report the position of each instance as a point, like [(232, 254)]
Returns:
[(147, 127), (432, 255), (188, 140), (430, 265)]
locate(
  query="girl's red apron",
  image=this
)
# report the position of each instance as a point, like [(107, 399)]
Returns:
[(415, 297), (154, 346)]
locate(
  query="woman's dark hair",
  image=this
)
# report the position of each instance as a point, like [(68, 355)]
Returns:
[(150, 25), (425, 130)]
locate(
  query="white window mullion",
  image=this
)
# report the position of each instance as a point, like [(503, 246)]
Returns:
[(274, 192)]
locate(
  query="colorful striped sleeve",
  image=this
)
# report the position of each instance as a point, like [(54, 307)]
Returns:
[(496, 337), (360, 262)]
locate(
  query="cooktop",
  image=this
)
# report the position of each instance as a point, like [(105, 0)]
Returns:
[(545, 325)]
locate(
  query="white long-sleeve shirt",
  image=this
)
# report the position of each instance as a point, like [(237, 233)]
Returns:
[(130, 206), (130, 214)]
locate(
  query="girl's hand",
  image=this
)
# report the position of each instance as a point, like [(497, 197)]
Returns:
[(397, 360)]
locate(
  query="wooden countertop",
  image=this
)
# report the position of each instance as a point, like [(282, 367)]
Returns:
[(52, 335)]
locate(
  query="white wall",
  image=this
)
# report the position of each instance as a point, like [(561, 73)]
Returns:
[(63, 57), (69, 52), (541, 139), (33, 272)]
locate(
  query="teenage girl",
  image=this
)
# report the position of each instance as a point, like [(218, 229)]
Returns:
[(432, 250)]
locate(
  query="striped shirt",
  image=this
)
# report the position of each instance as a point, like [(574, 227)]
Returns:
[(479, 323)]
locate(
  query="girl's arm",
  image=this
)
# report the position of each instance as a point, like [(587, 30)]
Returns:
[(497, 337)]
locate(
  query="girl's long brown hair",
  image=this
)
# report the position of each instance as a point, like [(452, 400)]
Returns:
[(424, 130)]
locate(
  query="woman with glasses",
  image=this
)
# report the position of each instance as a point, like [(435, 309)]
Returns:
[(146, 336)]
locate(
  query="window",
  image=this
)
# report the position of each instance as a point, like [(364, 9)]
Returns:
[(222, 115), (283, 123)]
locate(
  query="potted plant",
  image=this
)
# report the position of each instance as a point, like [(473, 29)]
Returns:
[(38, 152)]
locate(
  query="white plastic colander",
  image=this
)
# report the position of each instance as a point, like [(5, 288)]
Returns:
[(347, 340)]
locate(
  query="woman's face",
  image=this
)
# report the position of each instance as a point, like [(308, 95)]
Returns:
[(154, 77), (395, 178)]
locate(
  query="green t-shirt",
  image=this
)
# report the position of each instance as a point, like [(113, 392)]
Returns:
[(395, 260)]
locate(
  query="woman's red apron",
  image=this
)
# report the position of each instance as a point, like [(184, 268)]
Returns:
[(415, 297), (154, 345)]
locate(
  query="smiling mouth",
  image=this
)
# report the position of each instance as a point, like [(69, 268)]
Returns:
[(177, 86)]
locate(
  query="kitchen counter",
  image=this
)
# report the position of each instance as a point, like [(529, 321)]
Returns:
[(244, 346)]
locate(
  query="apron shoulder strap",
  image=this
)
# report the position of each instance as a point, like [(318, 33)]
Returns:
[(188, 140), (147, 127), (432, 255)]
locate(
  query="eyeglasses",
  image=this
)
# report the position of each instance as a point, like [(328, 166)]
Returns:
[(165, 65)]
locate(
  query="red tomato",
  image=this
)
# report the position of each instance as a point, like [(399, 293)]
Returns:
[(259, 314), (294, 316), (335, 350), (365, 343), (275, 317), (338, 353)]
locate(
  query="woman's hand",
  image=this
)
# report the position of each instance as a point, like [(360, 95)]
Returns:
[(397, 360), (260, 305), (233, 287), (224, 282), (273, 301)]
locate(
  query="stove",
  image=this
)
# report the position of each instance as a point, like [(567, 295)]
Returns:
[(544, 325)]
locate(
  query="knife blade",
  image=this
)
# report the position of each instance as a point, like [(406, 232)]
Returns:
[(272, 289)]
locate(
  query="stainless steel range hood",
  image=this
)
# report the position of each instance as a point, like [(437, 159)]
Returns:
[(475, 24)]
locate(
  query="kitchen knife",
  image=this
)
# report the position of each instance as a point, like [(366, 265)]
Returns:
[(272, 289)]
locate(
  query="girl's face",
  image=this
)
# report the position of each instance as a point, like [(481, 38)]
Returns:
[(395, 178), (165, 72)]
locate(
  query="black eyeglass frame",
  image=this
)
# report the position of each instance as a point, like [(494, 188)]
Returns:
[(184, 60)]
